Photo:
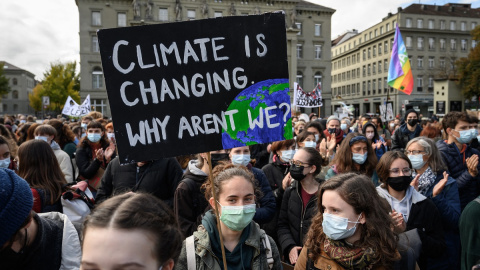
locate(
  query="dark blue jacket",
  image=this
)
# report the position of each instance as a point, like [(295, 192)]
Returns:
[(448, 204), (267, 202), (468, 186), (402, 135)]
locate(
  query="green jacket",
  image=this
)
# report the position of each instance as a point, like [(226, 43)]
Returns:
[(206, 259)]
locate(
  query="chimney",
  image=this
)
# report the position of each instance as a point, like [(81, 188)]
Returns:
[(390, 14), (400, 9)]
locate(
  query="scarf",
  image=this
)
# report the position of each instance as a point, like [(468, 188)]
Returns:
[(338, 135), (425, 181), (349, 257)]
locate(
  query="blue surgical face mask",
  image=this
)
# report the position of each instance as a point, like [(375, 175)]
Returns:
[(465, 136), (417, 161), (83, 125), (474, 132), (343, 126), (287, 155), (310, 144), (23, 121), (236, 218), (4, 163), (359, 158), (94, 137), (241, 159), (336, 227), (43, 138), (111, 136), (84, 134), (317, 137)]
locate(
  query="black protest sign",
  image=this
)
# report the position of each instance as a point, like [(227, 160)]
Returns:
[(192, 87)]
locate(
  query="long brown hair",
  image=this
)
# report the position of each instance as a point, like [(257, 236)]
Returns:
[(64, 133), (359, 192), (343, 159), (145, 212), (38, 165)]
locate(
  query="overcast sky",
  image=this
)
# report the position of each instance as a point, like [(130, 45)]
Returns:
[(35, 33)]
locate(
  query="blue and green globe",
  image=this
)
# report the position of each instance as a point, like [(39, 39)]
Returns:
[(266, 97)]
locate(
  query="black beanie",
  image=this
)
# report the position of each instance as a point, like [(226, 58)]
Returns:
[(410, 111)]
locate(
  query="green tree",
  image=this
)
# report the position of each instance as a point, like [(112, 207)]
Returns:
[(469, 69), (59, 82), (4, 86)]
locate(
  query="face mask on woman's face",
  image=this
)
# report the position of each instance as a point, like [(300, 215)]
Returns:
[(399, 183), (417, 161), (335, 227), (94, 137), (236, 218), (4, 163), (241, 159), (297, 172), (359, 158), (343, 126), (310, 144), (370, 135), (287, 155)]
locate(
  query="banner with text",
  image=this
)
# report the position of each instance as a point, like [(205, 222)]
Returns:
[(307, 100), (191, 87), (71, 108)]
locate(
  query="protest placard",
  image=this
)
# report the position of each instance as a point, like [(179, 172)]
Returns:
[(191, 87), (71, 108), (307, 100)]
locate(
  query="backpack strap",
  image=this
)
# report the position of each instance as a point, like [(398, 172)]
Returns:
[(190, 249), (268, 251)]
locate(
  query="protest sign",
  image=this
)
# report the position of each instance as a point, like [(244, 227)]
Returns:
[(307, 100), (71, 108), (190, 87)]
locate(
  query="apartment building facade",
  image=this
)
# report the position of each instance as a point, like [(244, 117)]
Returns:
[(21, 84), (308, 35), (434, 36)]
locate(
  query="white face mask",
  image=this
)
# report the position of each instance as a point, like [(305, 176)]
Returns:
[(310, 144), (317, 137), (241, 159), (111, 135), (43, 138), (287, 155), (369, 135)]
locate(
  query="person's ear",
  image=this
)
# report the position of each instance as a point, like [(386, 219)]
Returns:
[(212, 202), (313, 168), (362, 219), (449, 131), (168, 265)]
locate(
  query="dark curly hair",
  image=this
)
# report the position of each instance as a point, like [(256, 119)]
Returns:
[(376, 233)]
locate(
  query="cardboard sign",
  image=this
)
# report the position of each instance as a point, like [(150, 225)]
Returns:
[(307, 100), (191, 87), (71, 108)]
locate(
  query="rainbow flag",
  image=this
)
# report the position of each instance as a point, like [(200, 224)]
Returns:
[(400, 72)]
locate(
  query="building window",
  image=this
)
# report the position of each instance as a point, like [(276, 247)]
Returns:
[(97, 78), (95, 47), (430, 83), (463, 26), (443, 25), (442, 44), (369, 69), (318, 51), (300, 78), (364, 55), (420, 61), (431, 43), (473, 25), (218, 14), (370, 35), (453, 44), (299, 27), (474, 43), (14, 81), (121, 19), (408, 41), (381, 30), (387, 27), (317, 78), (374, 51), (420, 43), (163, 14), (464, 45), (364, 71), (452, 25), (299, 50), (408, 23), (385, 47), (374, 86), (419, 23), (369, 53), (14, 94), (96, 18), (420, 83), (431, 24), (431, 62), (385, 65), (318, 30), (5, 107), (379, 48), (374, 68), (442, 62), (15, 107), (99, 105), (379, 66), (191, 14), (376, 33)]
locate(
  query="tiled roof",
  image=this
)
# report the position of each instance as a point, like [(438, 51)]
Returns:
[(455, 10), (8, 66)]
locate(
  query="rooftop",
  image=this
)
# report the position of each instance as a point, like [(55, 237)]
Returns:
[(450, 9)]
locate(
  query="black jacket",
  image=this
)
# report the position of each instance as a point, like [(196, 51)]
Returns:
[(159, 178), (189, 202), (294, 221), (87, 166), (402, 135)]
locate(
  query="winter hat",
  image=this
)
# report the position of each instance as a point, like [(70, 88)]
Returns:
[(333, 117), (16, 201), (410, 111)]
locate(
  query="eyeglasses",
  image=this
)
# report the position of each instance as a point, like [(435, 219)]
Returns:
[(405, 171), (299, 163), (413, 152)]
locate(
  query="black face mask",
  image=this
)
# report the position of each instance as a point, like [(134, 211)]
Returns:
[(412, 122), (399, 183), (297, 172), (216, 158), (332, 130)]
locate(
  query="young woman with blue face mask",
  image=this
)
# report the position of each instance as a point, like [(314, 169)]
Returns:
[(354, 155), (349, 232), (94, 152), (306, 139), (243, 239), (433, 182), (7, 161), (299, 202), (240, 156)]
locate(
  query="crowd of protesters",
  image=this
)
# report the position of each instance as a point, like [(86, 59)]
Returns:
[(344, 193)]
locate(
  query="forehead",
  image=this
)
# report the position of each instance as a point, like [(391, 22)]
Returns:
[(301, 155), (462, 123), (236, 186), (240, 149), (369, 129), (415, 146), (412, 114), (334, 122), (359, 145), (399, 163), (95, 130), (331, 198), (313, 130)]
